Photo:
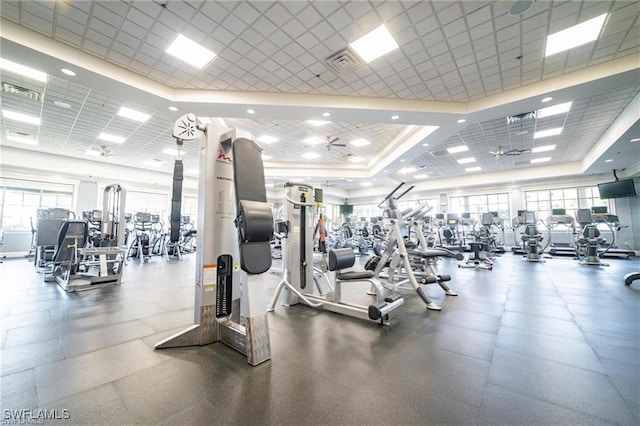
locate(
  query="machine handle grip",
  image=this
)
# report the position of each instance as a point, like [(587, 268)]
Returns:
[(390, 194), (299, 203)]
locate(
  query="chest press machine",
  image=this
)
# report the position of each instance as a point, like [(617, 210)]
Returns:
[(235, 226), (301, 281)]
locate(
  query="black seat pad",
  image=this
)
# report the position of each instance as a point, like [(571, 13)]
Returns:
[(355, 275)]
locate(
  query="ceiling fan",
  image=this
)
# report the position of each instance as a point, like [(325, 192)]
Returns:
[(501, 152), (332, 142)]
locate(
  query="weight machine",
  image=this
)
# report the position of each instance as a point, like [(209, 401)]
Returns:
[(78, 266), (235, 226), (302, 282)]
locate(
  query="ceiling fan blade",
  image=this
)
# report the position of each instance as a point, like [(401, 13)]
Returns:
[(331, 142), (513, 152), (338, 144)]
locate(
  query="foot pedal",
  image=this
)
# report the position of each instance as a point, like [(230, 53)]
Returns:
[(374, 310), (392, 298)]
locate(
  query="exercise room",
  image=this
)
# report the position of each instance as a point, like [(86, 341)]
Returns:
[(320, 212)]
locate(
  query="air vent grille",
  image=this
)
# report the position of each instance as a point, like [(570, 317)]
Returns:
[(21, 91), (439, 153), (343, 61)]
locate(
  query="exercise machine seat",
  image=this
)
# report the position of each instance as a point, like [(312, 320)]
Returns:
[(346, 258)]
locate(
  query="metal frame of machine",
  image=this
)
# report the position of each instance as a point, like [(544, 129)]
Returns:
[(229, 307), (299, 283)]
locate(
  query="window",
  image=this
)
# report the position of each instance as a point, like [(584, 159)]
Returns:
[(570, 199), (147, 202), (478, 204), (19, 206)]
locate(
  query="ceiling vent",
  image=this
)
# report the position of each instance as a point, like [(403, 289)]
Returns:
[(525, 116), (21, 91), (342, 61), (439, 153)]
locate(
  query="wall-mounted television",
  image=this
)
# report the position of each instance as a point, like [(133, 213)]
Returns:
[(617, 189), (346, 209)]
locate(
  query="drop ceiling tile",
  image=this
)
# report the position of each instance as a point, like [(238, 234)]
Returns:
[(68, 37), (449, 14), (36, 23), (96, 37), (427, 26)]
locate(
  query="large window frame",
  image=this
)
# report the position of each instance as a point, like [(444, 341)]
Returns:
[(482, 203), (19, 206), (570, 199)]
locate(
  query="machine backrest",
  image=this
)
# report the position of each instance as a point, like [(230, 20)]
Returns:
[(487, 219), (591, 231), (72, 233), (583, 217), (341, 258), (531, 230)]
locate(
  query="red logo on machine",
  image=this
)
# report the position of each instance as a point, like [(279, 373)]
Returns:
[(223, 157)]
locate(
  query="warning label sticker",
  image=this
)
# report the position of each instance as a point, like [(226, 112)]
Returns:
[(209, 276)]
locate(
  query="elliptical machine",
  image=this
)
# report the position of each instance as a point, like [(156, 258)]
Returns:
[(588, 239), (532, 238)]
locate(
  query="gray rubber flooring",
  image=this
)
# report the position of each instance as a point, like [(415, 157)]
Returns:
[(527, 343)]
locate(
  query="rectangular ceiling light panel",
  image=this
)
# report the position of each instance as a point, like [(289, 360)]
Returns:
[(456, 149), (466, 160), (267, 139), (22, 70), (311, 155), (132, 114), (540, 160), (473, 169), (18, 116), (543, 148), (111, 138), (554, 110), (575, 36), (547, 133), (190, 52), (360, 142), (318, 123), (374, 44)]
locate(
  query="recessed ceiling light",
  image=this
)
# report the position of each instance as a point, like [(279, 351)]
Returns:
[(62, 104), (543, 148), (407, 170), (93, 153), (462, 120), (111, 138), (472, 169), (173, 151), (521, 7), (540, 160), (402, 160), (356, 159), (374, 44), (466, 160), (547, 99), (456, 149), (575, 36), (421, 176), (68, 72), (266, 157), (425, 144), (366, 183), (311, 155), (267, 139), (22, 70), (635, 140), (554, 110), (546, 133), (360, 142), (23, 118), (132, 114), (395, 117), (20, 137), (318, 123), (251, 111), (190, 52), (386, 171), (326, 114), (172, 108), (153, 163), (608, 161)]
